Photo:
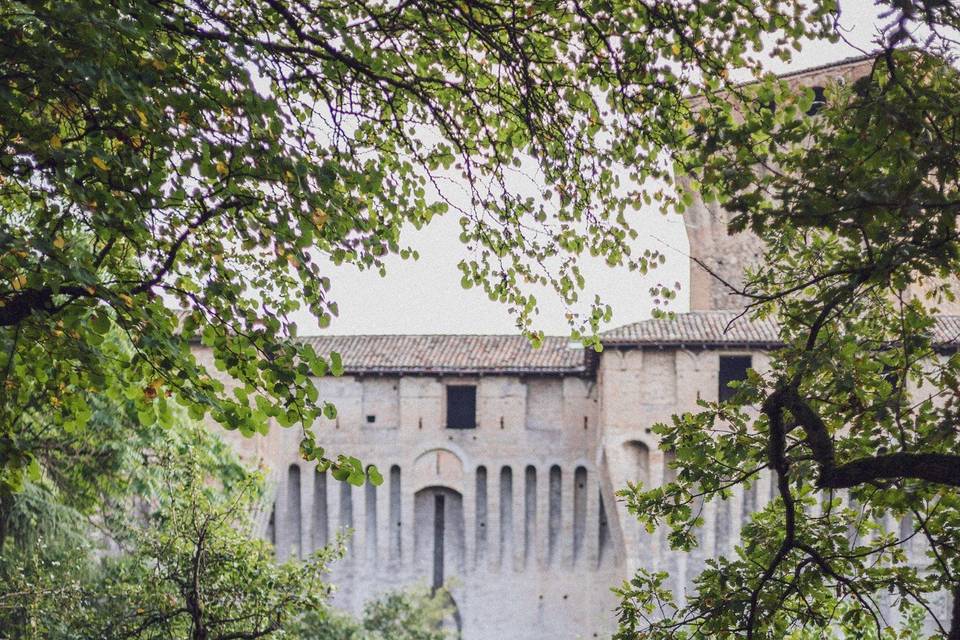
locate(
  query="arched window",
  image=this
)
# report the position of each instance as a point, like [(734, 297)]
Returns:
[(293, 521), (555, 513), (639, 470), (481, 513)]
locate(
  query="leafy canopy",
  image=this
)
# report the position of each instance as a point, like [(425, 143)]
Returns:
[(209, 155), (415, 614), (857, 415), (145, 533), (139, 531)]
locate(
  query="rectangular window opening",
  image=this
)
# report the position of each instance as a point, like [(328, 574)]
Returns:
[(461, 407), (732, 369)]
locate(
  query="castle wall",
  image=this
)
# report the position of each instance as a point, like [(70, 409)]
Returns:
[(640, 388), (533, 536), (528, 550)]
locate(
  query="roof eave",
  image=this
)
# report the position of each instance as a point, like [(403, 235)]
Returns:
[(455, 371), (627, 343)]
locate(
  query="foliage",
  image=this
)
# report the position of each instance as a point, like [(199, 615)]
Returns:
[(197, 572), (414, 614), (212, 154), (44, 565), (149, 537), (179, 562), (85, 485), (96, 471), (858, 410)]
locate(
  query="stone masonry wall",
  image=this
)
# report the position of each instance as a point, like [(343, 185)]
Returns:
[(528, 550)]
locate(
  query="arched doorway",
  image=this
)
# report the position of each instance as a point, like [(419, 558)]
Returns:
[(439, 535)]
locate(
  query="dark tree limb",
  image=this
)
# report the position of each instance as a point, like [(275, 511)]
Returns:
[(938, 468), (776, 454), (22, 305)]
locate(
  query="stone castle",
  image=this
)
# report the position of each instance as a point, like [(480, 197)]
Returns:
[(501, 462)]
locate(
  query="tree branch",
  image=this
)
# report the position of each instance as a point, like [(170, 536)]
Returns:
[(25, 303), (939, 468)]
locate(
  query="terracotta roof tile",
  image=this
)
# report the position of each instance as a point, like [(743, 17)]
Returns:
[(728, 328), (460, 354), (506, 354)]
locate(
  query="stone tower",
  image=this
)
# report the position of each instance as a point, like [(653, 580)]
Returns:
[(727, 255)]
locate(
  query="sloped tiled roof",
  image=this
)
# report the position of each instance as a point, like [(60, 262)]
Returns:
[(696, 328), (511, 355), (730, 328), (948, 331), (458, 354), (836, 63)]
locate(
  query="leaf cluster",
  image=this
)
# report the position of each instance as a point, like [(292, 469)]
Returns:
[(855, 419)]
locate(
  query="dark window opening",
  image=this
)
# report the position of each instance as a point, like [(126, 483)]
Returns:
[(371, 419), (461, 407), (819, 101), (732, 369), (438, 529)]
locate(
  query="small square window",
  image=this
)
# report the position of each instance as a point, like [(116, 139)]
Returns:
[(819, 101), (371, 419), (461, 407), (732, 369)]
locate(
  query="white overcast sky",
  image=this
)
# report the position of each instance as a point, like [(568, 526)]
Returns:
[(425, 296)]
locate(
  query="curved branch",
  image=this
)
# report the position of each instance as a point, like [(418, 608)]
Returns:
[(24, 304), (939, 468)]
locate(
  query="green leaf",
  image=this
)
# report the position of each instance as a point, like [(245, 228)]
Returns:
[(336, 364), (100, 322)]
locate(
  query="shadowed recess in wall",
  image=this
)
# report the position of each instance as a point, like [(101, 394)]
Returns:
[(506, 515), (290, 544), (370, 522), (396, 517), (579, 511), (439, 534), (481, 514), (555, 515), (320, 515)]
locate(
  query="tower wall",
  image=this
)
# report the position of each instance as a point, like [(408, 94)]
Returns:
[(725, 254)]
